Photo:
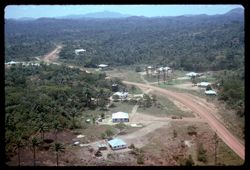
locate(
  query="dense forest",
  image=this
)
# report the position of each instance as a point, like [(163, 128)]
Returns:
[(51, 93), (199, 42)]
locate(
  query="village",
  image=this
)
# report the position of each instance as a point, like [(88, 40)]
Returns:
[(135, 112)]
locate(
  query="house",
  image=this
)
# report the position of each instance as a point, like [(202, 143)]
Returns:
[(77, 51), (120, 117), (117, 144), (121, 95), (203, 84), (102, 65), (102, 146), (168, 69), (191, 74), (210, 92)]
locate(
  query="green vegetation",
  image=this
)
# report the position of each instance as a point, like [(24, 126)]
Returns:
[(49, 98), (162, 107), (202, 156), (194, 43), (232, 89)]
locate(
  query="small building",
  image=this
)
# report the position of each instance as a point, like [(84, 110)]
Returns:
[(117, 144), (203, 84), (120, 117), (102, 146), (114, 87), (77, 51), (210, 92), (121, 95), (102, 65), (191, 74)]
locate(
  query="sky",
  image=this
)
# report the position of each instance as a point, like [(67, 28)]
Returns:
[(37, 11)]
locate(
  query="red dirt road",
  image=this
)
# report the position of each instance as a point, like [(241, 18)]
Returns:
[(205, 112)]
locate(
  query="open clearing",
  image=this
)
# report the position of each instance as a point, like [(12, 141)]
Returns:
[(205, 112)]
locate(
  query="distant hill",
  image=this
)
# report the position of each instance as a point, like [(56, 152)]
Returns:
[(103, 14), (201, 42)]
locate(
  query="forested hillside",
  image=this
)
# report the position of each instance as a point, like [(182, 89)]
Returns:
[(38, 97), (199, 42)]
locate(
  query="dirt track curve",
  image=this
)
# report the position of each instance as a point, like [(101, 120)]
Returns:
[(204, 112)]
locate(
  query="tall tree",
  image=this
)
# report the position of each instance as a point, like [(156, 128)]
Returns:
[(42, 128), (216, 143), (34, 142), (57, 127), (58, 147)]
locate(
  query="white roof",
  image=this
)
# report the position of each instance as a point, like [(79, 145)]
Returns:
[(210, 92), (203, 84), (149, 67), (103, 65), (79, 50), (116, 142), (121, 94), (120, 115), (192, 74)]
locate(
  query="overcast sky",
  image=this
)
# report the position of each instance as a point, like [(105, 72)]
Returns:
[(37, 11)]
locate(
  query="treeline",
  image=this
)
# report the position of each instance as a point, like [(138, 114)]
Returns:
[(37, 98), (232, 89), (195, 43)]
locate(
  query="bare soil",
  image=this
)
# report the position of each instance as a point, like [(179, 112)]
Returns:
[(197, 105)]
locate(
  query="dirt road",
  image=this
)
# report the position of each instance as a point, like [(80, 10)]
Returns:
[(52, 56), (204, 111)]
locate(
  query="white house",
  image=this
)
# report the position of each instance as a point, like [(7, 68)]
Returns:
[(203, 84), (117, 144), (77, 51), (210, 92), (191, 74), (120, 117), (122, 95), (102, 65)]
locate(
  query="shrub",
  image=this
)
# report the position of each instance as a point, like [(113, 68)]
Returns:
[(189, 161), (132, 146), (191, 130), (140, 159), (138, 69), (202, 154)]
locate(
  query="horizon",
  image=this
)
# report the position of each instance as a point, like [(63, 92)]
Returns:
[(54, 11)]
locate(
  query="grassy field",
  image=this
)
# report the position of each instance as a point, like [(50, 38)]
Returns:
[(121, 107), (125, 73), (165, 107)]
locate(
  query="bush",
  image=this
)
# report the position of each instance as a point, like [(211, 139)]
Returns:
[(140, 159), (132, 146), (202, 154), (138, 69), (191, 130), (189, 161)]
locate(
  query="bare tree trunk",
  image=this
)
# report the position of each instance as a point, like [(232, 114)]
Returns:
[(19, 162), (34, 156), (57, 163)]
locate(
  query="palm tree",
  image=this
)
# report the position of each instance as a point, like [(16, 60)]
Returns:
[(18, 144), (58, 147), (57, 127), (42, 127), (35, 142), (164, 76)]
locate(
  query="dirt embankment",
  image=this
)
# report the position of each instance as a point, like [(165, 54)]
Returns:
[(205, 111)]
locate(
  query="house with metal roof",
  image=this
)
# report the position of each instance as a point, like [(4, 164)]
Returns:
[(210, 92), (117, 143), (120, 117), (203, 84)]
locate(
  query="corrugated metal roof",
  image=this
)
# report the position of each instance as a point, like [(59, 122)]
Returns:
[(116, 142), (120, 115)]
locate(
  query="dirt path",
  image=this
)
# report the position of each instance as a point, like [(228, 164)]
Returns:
[(205, 111), (52, 56)]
